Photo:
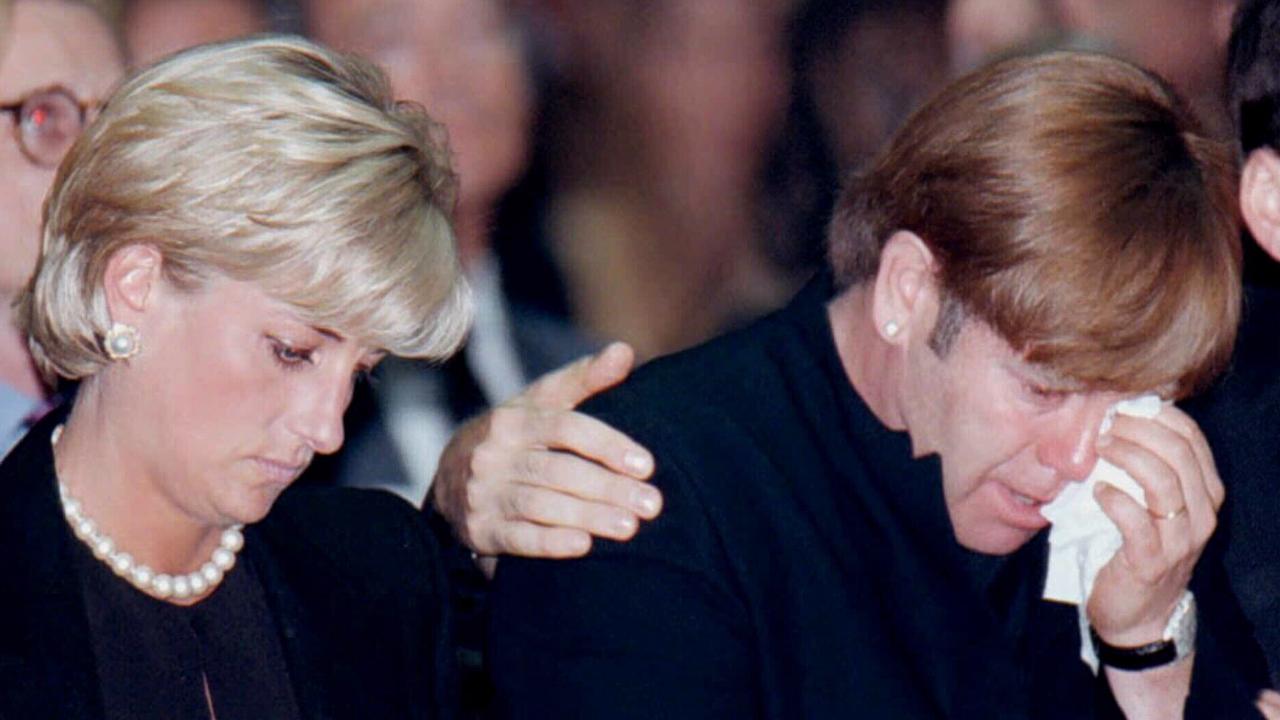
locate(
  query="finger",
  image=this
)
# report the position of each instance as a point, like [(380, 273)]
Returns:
[(586, 480), (1269, 704), (565, 388), (1162, 459), (1181, 423), (532, 540), (593, 439), (529, 503), (1130, 450), (1141, 550)]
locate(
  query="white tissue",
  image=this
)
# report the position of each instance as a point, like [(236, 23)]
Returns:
[(1082, 538)]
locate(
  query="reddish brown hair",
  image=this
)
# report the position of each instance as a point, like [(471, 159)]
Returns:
[(1074, 205)]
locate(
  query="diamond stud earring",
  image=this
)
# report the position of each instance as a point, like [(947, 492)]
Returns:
[(121, 341)]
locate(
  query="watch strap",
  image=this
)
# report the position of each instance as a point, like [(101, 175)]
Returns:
[(1143, 657), (1178, 642)]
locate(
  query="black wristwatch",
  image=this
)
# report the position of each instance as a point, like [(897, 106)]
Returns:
[(1178, 641)]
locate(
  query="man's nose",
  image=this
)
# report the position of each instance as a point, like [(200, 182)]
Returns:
[(1070, 444)]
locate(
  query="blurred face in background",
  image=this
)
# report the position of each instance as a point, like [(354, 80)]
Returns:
[(462, 61), (981, 30), (887, 64), (1184, 41), (156, 28), (707, 81), (51, 45)]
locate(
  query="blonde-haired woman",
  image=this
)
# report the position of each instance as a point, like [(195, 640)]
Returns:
[(243, 231)]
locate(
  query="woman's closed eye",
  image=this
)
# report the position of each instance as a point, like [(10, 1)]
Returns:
[(289, 356)]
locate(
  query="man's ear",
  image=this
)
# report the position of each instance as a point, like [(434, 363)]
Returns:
[(905, 294), (131, 281), (1260, 199)]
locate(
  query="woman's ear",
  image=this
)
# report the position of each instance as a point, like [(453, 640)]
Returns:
[(131, 281), (1260, 199), (905, 287)]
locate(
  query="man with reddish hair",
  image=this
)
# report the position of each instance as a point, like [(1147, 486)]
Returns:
[(854, 485)]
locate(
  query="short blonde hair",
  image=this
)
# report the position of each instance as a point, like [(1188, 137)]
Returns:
[(271, 160)]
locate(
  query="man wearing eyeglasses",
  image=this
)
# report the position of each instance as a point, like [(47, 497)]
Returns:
[(58, 59)]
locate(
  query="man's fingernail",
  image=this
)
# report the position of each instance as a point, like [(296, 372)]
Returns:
[(647, 501), (637, 462), (626, 525)]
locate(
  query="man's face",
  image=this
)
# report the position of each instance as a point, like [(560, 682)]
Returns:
[(50, 44), (1010, 436)]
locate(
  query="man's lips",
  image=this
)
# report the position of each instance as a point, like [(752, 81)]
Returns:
[(1020, 510)]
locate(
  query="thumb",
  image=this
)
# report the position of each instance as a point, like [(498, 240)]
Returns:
[(570, 385)]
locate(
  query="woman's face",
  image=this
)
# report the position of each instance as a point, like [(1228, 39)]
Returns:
[(239, 395)]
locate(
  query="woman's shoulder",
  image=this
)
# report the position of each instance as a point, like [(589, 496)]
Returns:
[(370, 537)]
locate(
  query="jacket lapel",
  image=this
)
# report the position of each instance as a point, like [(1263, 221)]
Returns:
[(46, 655)]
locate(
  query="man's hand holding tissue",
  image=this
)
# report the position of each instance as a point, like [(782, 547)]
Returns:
[(1137, 591)]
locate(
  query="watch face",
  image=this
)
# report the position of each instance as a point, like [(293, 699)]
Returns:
[(1182, 625)]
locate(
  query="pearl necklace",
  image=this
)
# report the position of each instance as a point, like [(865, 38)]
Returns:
[(159, 585)]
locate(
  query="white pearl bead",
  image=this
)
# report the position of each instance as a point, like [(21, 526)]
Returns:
[(211, 573), (232, 539), (181, 589), (72, 509), (123, 563), (162, 585), (85, 527), (197, 583), (142, 576), (103, 547), (223, 559)]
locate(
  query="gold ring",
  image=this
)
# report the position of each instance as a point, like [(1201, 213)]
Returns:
[(1169, 515)]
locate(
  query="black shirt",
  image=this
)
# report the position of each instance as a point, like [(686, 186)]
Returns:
[(1240, 417), (804, 566)]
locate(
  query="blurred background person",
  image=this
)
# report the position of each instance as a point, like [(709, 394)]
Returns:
[(653, 138), (156, 28), (980, 30), (858, 69), (60, 59), (1183, 41)]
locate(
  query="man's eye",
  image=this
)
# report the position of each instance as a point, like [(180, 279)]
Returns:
[(1045, 395)]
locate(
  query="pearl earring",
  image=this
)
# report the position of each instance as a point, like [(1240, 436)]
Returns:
[(891, 328), (121, 341)]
